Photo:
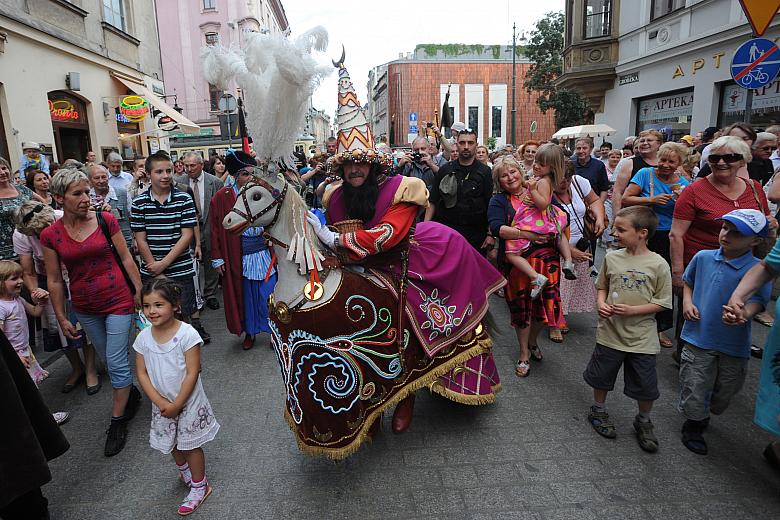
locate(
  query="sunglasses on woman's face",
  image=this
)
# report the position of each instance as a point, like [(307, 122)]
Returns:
[(729, 158)]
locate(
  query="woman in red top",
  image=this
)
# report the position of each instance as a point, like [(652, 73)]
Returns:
[(100, 296), (695, 225)]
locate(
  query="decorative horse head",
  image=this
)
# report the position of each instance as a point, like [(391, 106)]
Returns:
[(259, 202), (267, 201)]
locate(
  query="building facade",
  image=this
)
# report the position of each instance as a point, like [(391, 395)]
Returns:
[(69, 66), (188, 26), (479, 79), (673, 68), (376, 108)]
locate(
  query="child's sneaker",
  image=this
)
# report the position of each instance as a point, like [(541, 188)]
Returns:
[(692, 437), (568, 270), (594, 272), (537, 285), (645, 436), (600, 421)]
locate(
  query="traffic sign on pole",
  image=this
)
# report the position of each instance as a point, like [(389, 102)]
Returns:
[(755, 63), (760, 13), (412, 117)]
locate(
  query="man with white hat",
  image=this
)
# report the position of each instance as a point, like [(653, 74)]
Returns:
[(32, 158)]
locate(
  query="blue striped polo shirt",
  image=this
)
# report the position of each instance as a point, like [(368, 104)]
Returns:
[(162, 224)]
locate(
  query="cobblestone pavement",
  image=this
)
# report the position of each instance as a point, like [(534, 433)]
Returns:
[(532, 455)]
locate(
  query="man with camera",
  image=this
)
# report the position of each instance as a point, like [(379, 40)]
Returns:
[(419, 163)]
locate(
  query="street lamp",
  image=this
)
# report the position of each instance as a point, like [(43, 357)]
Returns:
[(514, 79)]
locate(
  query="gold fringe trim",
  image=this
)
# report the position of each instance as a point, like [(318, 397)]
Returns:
[(483, 346), (473, 400)]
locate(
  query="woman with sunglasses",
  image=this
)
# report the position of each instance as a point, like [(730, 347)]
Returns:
[(695, 223), (755, 168)]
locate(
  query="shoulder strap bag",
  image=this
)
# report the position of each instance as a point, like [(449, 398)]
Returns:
[(106, 233), (763, 249), (590, 216)]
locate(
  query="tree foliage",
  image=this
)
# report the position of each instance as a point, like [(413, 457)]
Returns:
[(545, 49)]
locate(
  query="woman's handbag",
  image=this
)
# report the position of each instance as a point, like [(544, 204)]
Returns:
[(590, 216), (106, 233), (763, 249)]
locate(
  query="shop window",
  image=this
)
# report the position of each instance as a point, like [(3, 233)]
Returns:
[(659, 8), (496, 116), (114, 13), (214, 94), (474, 119), (212, 38), (209, 5), (597, 18)]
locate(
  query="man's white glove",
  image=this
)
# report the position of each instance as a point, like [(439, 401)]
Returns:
[(324, 233)]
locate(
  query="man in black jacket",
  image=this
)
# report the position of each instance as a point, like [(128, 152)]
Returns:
[(461, 192)]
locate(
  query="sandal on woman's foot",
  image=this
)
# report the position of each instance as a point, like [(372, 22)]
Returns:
[(664, 341), (537, 285), (536, 353), (522, 368), (692, 437), (555, 335), (564, 328), (194, 500), (600, 421)]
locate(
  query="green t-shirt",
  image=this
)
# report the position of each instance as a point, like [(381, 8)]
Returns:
[(633, 280)]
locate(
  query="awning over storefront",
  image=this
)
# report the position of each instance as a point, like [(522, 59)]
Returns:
[(185, 124), (573, 132)]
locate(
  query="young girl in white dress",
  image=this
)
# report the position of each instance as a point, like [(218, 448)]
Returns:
[(168, 365)]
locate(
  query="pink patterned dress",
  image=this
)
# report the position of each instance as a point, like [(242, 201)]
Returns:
[(528, 217)]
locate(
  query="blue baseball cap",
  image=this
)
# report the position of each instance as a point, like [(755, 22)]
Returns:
[(749, 222)]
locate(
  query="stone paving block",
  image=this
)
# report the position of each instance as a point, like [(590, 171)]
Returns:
[(677, 511), (461, 477), (447, 501), (569, 513), (576, 492)]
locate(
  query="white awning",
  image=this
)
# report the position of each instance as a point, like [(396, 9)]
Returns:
[(573, 132), (185, 124)]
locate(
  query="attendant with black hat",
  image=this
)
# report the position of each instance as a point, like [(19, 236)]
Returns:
[(248, 276)]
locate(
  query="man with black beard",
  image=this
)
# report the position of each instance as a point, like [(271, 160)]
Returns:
[(461, 192)]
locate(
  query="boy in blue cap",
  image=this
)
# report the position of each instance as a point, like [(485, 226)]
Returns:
[(713, 363)]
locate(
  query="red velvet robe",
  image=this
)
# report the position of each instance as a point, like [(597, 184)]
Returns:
[(227, 246)]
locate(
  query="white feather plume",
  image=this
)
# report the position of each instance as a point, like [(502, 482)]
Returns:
[(277, 76)]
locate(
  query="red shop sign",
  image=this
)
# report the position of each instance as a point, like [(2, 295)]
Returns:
[(63, 110)]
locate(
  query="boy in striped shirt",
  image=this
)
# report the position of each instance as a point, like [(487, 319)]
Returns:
[(162, 220)]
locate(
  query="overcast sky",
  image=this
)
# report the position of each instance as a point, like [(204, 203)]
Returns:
[(374, 33)]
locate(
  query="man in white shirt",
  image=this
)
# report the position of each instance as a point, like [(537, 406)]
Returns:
[(203, 186), (117, 178)]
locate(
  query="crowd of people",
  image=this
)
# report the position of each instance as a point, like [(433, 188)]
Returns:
[(684, 225)]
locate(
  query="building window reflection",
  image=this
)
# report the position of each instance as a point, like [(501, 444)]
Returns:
[(659, 8), (114, 13), (597, 18)]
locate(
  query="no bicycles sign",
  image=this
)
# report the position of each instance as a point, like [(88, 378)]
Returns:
[(755, 63)]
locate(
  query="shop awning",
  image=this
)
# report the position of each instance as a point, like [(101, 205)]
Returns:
[(185, 124), (573, 132)]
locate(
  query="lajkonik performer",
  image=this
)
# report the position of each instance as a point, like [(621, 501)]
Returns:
[(441, 308), (357, 329)]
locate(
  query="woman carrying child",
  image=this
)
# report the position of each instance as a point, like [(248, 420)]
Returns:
[(168, 367), (536, 213), (529, 315)]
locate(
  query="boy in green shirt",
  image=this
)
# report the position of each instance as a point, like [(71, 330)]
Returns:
[(634, 284)]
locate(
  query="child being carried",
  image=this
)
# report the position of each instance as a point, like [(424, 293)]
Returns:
[(537, 214)]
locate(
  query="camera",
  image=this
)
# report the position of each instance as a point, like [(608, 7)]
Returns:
[(429, 125), (416, 157), (583, 244)]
